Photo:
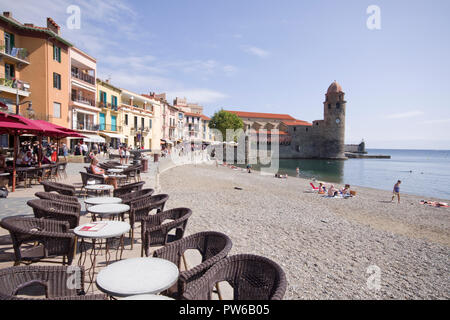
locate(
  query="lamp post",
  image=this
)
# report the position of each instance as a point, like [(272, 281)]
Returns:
[(18, 104)]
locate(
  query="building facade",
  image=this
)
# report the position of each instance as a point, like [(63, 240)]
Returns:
[(35, 68), (110, 115), (83, 109), (141, 120), (321, 139)]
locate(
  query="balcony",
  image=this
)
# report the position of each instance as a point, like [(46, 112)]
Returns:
[(18, 55), (84, 77), (87, 101), (86, 126), (15, 86), (105, 105), (109, 127)]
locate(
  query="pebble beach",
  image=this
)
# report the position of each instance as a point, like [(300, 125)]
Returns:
[(328, 247)]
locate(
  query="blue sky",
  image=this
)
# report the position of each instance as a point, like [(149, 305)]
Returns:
[(277, 56)]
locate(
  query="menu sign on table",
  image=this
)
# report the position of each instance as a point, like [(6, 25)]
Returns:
[(93, 227)]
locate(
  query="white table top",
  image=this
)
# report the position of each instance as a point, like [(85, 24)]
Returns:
[(147, 297), (102, 200), (109, 209), (137, 276), (115, 170), (111, 229), (99, 187), (122, 166)]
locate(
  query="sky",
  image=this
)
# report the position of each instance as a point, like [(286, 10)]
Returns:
[(277, 57)]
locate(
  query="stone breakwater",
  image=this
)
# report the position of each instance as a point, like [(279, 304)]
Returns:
[(326, 246)]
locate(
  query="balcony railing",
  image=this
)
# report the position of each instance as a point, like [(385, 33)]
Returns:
[(105, 105), (87, 101), (84, 76), (109, 127), (15, 84), (86, 126), (18, 53)]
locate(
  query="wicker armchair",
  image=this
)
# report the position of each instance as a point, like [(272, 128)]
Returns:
[(128, 188), (85, 177), (132, 173), (52, 237), (141, 208), (156, 233), (53, 279), (252, 278), (136, 196), (60, 188), (56, 197), (56, 210), (213, 247)]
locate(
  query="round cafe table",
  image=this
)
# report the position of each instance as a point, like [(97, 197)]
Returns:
[(137, 276), (122, 167), (99, 188), (115, 170), (107, 210), (102, 200), (97, 232)]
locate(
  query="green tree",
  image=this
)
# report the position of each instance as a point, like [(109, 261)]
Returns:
[(223, 120)]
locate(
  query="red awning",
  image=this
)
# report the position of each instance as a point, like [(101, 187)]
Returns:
[(54, 130), (15, 124)]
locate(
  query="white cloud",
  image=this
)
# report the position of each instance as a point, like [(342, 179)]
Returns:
[(198, 95), (405, 115), (256, 51)]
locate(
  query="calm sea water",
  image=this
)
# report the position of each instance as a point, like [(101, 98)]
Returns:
[(423, 172)]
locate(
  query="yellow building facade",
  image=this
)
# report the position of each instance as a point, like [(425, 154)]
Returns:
[(109, 100)]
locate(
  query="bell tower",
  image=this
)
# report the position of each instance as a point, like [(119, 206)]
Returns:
[(333, 134)]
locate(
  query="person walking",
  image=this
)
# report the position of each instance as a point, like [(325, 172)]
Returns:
[(396, 191)]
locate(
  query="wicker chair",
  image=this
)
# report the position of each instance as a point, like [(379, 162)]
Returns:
[(85, 177), (60, 188), (131, 173), (53, 279), (252, 278), (141, 208), (56, 197), (213, 247), (136, 196), (156, 233), (53, 239), (128, 188), (56, 210)]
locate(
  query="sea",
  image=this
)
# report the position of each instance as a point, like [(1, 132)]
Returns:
[(422, 172)]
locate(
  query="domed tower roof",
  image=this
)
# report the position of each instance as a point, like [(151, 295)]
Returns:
[(334, 88)]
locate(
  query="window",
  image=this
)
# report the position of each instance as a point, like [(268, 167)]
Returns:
[(150, 123), (9, 71), (126, 119), (135, 122), (9, 42), (142, 123), (113, 101), (56, 53), (338, 105), (57, 110), (329, 106), (56, 81)]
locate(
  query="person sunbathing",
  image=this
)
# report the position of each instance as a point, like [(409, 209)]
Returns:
[(346, 191), (332, 192)]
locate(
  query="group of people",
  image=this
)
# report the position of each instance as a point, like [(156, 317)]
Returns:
[(29, 153), (332, 191)]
